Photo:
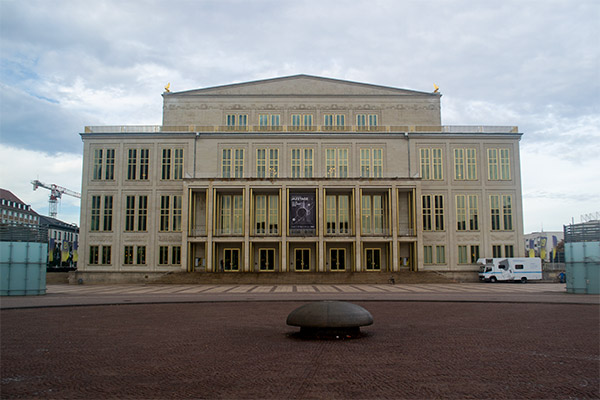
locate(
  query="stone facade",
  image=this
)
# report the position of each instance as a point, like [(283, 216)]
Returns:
[(299, 174)]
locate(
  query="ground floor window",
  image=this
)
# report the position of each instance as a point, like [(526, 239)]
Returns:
[(462, 254), (373, 259), (474, 254), (266, 259), (496, 251), (509, 251), (302, 259), (338, 259), (428, 254)]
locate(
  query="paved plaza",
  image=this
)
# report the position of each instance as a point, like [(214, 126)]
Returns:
[(456, 341)]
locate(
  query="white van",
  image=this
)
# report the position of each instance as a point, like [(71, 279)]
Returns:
[(510, 269)]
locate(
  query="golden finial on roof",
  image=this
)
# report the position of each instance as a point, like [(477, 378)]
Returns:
[(167, 87), (436, 88)]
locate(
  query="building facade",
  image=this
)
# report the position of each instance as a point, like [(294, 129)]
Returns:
[(15, 212), (299, 174), (63, 243)]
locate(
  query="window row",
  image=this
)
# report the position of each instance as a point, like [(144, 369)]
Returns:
[(301, 162), (301, 120), (465, 164), (138, 164), (135, 213), (134, 255), (467, 254)]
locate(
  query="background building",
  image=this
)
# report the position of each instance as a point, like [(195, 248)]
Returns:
[(544, 245), (15, 212), (63, 241), (299, 174)]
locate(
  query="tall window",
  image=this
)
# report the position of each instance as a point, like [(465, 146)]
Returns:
[(509, 251), (104, 164), (496, 251), (462, 254), (334, 121), (366, 120), (130, 213), (266, 259), (267, 158), (266, 214), (269, 121), (163, 255), (337, 214), (108, 211), (431, 164), (336, 162), (237, 120), (301, 121), (465, 164), (137, 164), (231, 214), (232, 163), (337, 259), (231, 259), (106, 255), (302, 161), (428, 254), (170, 213), (172, 164), (467, 214), (373, 214), (501, 212), (128, 255), (433, 212), (95, 214), (94, 252), (371, 163), (440, 254), (498, 164)]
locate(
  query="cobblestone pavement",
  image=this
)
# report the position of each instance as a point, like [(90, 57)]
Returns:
[(244, 350)]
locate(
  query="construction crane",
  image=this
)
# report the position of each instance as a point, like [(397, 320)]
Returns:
[(56, 193)]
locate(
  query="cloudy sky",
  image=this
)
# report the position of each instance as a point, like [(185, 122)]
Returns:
[(531, 63)]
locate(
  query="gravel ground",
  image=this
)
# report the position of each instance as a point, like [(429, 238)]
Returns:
[(246, 351)]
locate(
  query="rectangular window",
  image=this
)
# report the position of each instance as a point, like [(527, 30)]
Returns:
[(465, 164), (129, 213), (337, 214), (301, 121), (431, 164), (440, 254), (462, 254), (141, 255), (501, 212), (266, 214), (231, 214), (226, 163), (374, 210), (334, 121), (137, 164), (366, 120), (474, 254), (128, 255), (433, 212), (266, 157), (95, 214), (302, 163), (336, 162), (373, 259), (108, 211), (165, 209), (144, 163), (497, 251), (106, 255), (163, 255), (371, 163), (302, 259), (509, 251), (237, 120), (110, 165), (269, 121), (142, 213), (428, 254), (176, 255), (94, 252), (176, 212), (498, 164), (131, 164), (104, 160), (467, 212), (170, 213), (172, 164), (232, 168), (238, 163)]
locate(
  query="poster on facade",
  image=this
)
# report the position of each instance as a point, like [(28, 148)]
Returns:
[(303, 211)]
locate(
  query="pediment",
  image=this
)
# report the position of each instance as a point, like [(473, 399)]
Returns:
[(300, 85)]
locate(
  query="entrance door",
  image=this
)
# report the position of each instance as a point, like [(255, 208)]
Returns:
[(231, 259), (302, 260), (267, 259), (373, 259), (338, 259)]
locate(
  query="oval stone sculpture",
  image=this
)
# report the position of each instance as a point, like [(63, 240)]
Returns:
[(334, 316)]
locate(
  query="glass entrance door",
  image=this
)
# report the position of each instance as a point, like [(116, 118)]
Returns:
[(373, 259), (302, 259), (337, 259), (231, 260), (266, 259)]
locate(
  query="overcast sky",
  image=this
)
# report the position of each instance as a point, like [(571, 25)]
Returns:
[(534, 64)]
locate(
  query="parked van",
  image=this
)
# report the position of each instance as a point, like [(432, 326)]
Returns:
[(510, 269)]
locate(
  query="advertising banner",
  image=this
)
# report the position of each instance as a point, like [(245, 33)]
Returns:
[(303, 211)]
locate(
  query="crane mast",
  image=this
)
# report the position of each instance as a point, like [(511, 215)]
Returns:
[(56, 193)]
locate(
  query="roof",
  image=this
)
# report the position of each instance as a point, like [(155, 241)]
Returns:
[(302, 85), (44, 220), (8, 195)]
